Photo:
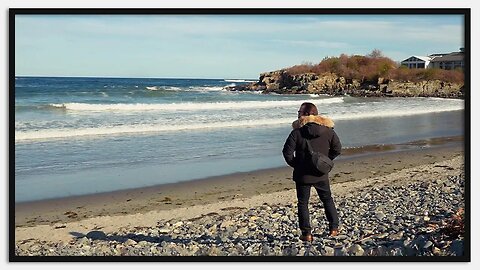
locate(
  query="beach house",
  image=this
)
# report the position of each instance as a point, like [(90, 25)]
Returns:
[(438, 60), (417, 62), (449, 61)]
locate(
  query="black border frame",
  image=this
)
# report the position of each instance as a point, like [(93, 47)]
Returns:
[(466, 12)]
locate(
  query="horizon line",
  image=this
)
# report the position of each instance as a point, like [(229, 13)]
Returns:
[(122, 77)]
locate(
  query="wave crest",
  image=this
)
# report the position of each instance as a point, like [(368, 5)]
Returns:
[(50, 134), (190, 106)]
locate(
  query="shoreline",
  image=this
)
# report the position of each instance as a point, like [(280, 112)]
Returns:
[(403, 213), (351, 152), (238, 186)]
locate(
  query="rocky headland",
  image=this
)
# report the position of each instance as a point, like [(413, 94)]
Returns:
[(282, 82)]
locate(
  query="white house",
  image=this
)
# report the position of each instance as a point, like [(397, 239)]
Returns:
[(417, 61)]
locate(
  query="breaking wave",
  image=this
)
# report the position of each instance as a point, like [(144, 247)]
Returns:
[(101, 131), (189, 106)]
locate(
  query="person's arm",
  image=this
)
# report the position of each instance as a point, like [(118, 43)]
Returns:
[(335, 147), (289, 149)]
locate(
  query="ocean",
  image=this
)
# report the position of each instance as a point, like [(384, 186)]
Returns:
[(76, 136)]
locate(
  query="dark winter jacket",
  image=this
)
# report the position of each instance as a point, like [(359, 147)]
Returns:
[(319, 130)]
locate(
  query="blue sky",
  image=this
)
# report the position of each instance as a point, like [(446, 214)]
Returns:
[(214, 46)]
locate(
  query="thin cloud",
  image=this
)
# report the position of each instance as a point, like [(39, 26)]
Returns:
[(421, 30), (314, 43), (215, 25)]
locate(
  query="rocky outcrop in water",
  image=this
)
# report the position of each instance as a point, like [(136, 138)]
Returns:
[(282, 82)]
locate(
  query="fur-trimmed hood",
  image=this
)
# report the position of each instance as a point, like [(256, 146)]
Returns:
[(318, 119)]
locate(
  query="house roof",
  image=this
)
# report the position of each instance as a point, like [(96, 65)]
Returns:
[(437, 54), (456, 56), (423, 58)]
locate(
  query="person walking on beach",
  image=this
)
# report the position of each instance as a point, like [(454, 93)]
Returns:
[(319, 131)]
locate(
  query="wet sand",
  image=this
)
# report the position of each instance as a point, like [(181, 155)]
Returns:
[(377, 161)]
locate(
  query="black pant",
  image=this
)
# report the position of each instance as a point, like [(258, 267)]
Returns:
[(303, 195)]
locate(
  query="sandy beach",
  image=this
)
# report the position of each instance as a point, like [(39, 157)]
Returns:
[(63, 220)]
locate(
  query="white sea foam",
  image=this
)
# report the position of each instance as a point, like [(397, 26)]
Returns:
[(190, 106), (211, 88), (49, 134), (60, 133), (395, 113), (60, 106), (164, 88), (239, 80), (206, 88)]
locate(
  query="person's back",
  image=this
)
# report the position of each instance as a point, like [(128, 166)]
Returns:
[(319, 131), (322, 138)]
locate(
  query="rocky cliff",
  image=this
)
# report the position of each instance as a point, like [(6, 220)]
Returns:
[(282, 82)]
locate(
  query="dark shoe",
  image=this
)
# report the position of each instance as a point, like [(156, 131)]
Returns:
[(306, 237), (333, 232)]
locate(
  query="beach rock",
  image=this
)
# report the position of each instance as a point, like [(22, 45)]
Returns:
[(130, 242), (178, 224), (242, 231), (265, 250), (396, 236), (356, 250), (83, 241), (456, 248), (419, 242), (428, 244), (103, 250), (163, 230), (380, 215), (97, 235), (341, 251), (381, 251), (290, 251), (328, 251), (398, 251), (381, 235), (227, 223)]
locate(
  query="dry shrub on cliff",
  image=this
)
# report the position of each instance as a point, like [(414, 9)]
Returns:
[(415, 75), (405, 74), (373, 66), (358, 67), (300, 69), (455, 76), (363, 68)]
